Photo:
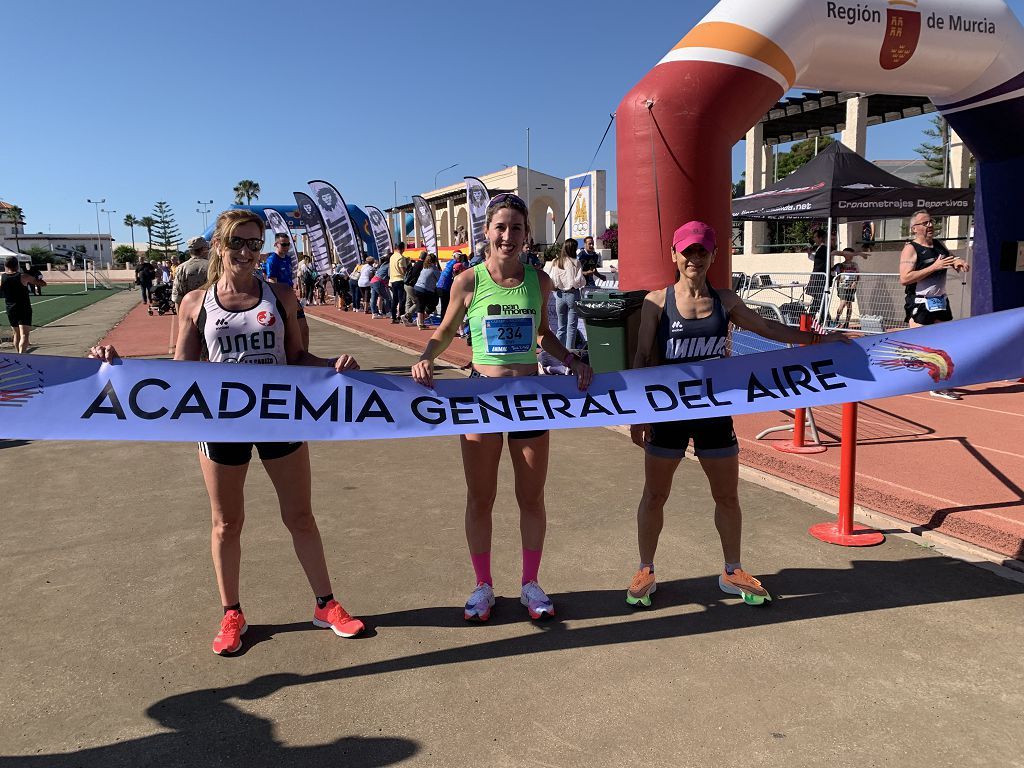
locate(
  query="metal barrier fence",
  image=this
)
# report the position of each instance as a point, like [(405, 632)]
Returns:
[(794, 293), (869, 302)]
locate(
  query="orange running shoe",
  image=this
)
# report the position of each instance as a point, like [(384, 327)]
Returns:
[(741, 583), (229, 639), (335, 617), (641, 588)]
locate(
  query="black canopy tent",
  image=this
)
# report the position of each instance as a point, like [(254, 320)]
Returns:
[(840, 184)]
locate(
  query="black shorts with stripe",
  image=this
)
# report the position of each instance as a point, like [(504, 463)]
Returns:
[(239, 454)]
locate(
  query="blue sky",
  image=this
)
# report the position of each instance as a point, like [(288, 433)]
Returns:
[(137, 101)]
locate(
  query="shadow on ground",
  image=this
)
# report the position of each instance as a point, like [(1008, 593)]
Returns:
[(207, 730)]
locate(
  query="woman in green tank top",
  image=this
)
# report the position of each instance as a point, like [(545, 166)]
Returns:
[(505, 303)]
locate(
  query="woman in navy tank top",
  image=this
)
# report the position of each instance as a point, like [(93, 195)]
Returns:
[(684, 323), (237, 318)]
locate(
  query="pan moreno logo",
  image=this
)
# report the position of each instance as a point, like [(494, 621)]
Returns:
[(19, 383)]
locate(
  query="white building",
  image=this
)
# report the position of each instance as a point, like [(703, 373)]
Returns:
[(544, 194), (96, 247)]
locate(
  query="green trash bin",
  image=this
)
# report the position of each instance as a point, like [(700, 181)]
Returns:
[(612, 319)]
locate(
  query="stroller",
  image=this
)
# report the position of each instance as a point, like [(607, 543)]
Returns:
[(160, 300)]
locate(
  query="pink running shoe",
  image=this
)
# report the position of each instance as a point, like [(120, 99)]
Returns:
[(335, 617), (229, 639)]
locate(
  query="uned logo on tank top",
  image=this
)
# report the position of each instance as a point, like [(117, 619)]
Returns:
[(265, 318)]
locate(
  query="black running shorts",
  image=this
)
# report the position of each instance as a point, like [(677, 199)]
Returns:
[(525, 435), (19, 314), (238, 454), (712, 438), (922, 316)]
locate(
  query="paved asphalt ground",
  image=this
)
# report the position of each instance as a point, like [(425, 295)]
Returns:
[(889, 656)]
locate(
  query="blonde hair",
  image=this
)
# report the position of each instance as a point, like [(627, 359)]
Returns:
[(226, 225)]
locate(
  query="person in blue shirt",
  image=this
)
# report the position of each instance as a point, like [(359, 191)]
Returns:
[(444, 282), (278, 269), (278, 266)]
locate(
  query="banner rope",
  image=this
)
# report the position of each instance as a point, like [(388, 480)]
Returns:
[(654, 168)]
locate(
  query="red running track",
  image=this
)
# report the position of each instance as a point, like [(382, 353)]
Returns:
[(952, 467)]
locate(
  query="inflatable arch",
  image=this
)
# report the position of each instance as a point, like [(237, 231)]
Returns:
[(676, 128)]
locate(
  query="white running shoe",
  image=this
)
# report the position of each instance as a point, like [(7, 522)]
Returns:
[(945, 394), (479, 604), (536, 601)]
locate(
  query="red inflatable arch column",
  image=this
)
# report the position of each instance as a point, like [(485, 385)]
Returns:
[(675, 131)]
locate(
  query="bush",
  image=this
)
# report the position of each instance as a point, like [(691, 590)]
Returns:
[(610, 238), (125, 254)]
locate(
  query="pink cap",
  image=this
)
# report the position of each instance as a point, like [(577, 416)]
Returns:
[(694, 232)]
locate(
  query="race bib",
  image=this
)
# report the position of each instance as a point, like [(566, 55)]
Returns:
[(508, 335), (935, 303)]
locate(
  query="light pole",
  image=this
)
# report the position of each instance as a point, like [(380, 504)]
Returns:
[(110, 232), (99, 244), (399, 218), (442, 171), (527, 168), (205, 210)]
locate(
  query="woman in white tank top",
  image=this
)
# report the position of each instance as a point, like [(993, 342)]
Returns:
[(237, 318)]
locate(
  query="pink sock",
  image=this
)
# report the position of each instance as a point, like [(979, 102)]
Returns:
[(482, 567), (531, 564)]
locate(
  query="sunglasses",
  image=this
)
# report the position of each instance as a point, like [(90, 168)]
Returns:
[(283, 244), (254, 244), (507, 197)]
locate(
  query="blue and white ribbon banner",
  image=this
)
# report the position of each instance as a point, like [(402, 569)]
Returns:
[(61, 398)]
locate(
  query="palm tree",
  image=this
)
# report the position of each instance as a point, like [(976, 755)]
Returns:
[(248, 190), (18, 216), (131, 221), (148, 222)]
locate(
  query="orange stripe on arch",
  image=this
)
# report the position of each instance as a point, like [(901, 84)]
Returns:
[(732, 37)]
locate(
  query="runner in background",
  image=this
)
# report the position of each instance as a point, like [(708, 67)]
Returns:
[(684, 323), (845, 275), (505, 343), (923, 264), (14, 285), (217, 320)]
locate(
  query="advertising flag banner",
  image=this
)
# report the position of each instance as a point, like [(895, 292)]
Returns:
[(315, 230), (339, 223), (381, 233), (581, 207), (477, 198), (63, 398), (425, 217), (280, 227)]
